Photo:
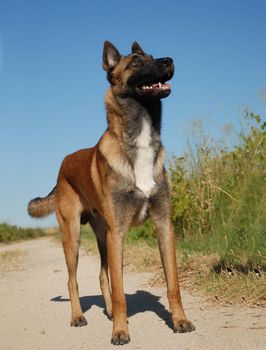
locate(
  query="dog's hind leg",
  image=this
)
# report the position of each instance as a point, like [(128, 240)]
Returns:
[(70, 227), (99, 227)]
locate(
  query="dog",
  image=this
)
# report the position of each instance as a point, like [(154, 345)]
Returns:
[(119, 183)]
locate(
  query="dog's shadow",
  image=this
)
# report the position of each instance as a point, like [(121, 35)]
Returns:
[(139, 302)]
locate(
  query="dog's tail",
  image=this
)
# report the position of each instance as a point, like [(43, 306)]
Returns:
[(41, 207)]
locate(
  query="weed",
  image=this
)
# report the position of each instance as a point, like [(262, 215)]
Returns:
[(219, 197)]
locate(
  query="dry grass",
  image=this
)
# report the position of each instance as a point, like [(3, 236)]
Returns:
[(196, 272), (142, 258), (12, 260), (223, 285), (197, 276), (236, 287)]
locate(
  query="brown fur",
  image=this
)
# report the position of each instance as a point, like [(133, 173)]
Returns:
[(98, 185), (40, 207)]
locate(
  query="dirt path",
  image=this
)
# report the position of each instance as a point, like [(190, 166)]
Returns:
[(35, 310)]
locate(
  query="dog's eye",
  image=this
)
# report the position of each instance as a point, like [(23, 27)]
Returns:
[(134, 63)]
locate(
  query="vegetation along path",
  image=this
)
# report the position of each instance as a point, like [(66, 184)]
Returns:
[(35, 309)]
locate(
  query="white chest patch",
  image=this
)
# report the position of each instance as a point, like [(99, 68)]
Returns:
[(144, 163)]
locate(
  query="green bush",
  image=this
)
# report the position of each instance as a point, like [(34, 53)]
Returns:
[(145, 232), (10, 233)]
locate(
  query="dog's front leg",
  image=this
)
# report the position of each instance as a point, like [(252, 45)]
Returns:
[(168, 256), (120, 334), (160, 213)]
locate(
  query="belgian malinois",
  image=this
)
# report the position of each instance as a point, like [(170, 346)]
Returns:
[(119, 183)]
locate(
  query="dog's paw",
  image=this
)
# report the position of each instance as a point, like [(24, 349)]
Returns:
[(79, 322), (183, 326), (109, 314), (120, 338)]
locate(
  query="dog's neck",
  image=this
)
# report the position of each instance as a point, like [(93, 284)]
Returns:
[(128, 123), (135, 110), (136, 124)]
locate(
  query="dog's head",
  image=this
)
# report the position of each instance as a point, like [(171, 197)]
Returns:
[(137, 74)]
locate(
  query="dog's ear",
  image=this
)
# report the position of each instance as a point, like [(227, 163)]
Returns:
[(111, 56), (135, 48)]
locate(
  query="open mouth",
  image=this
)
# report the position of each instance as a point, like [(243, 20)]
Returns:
[(154, 88)]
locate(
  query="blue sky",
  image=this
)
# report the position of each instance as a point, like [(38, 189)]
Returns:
[(52, 84)]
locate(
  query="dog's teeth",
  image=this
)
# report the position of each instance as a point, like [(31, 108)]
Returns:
[(158, 86), (151, 87)]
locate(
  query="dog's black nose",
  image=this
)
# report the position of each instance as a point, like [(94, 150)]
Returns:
[(167, 61)]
